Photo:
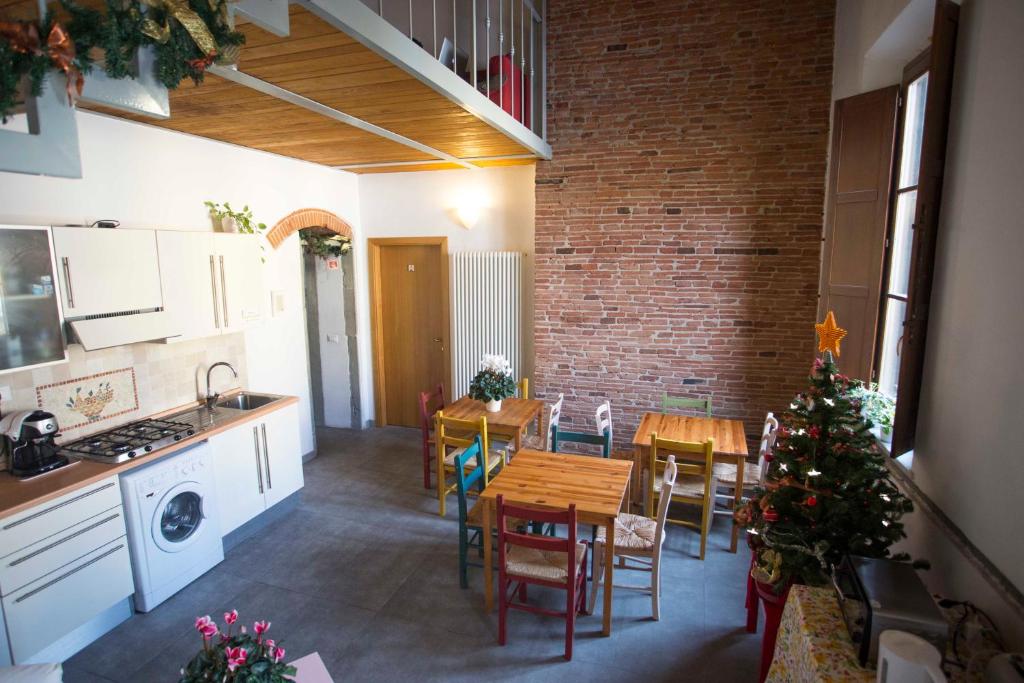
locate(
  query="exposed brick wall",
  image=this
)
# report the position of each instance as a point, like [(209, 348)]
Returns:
[(678, 225)]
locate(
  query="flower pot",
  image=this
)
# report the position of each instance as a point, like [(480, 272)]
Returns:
[(493, 406), (228, 224)]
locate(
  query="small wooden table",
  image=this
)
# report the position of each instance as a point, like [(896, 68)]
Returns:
[(730, 445), (597, 486), (515, 415)]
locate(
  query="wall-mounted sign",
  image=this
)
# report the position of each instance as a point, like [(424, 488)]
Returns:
[(333, 264)]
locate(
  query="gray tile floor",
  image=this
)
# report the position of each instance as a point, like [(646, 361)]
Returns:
[(365, 573)]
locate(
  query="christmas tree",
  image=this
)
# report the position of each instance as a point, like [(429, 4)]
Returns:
[(827, 491)]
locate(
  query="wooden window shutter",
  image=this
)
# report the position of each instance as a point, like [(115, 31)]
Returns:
[(856, 221), (926, 221)]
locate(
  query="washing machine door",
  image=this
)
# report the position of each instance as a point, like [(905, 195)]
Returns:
[(178, 519)]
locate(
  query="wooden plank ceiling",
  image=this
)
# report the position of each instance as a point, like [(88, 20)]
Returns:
[(319, 62)]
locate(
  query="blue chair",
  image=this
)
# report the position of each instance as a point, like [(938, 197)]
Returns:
[(470, 528), (559, 436)]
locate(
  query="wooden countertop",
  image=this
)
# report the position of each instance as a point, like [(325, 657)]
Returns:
[(17, 495)]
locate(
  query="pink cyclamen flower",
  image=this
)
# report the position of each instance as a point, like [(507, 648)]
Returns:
[(270, 643), (231, 617), (259, 628), (236, 657), (278, 654), (206, 626)]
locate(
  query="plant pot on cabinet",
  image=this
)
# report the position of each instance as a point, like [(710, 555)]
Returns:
[(493, 406), (228, 224)]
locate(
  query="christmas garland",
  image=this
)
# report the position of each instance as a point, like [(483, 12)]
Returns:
[(187, 36)]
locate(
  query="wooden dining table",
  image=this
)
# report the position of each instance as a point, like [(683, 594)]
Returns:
[(730, 445), (597, 486), (511, 421)]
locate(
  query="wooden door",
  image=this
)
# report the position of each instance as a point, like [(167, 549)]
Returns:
[(410, 308), (856, 219)]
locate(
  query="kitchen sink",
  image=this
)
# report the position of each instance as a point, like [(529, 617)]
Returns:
[(246, 401)]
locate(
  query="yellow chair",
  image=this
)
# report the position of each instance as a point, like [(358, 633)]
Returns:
[(695, 484), (524, 388), (452, 436)]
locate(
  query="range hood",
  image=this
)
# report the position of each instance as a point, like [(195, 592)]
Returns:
[(118, 329)]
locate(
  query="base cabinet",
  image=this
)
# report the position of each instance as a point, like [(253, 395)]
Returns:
[(257, 465)]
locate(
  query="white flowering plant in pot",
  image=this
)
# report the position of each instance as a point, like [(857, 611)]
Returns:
[(493, 383)]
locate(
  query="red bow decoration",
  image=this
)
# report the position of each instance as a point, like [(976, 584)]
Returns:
[(203, 63), (24, 38)]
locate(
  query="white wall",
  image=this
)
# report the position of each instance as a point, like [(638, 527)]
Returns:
[(422, 204), (147, 177), (968, 453)]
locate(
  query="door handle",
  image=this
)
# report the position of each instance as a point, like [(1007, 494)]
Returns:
[(66, 264), (259, 465), (266, 454), (213, 292), (224, 291)]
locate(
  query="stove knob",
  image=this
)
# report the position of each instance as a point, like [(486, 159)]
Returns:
[(177, 437), (190, 432), (148, 449), (131, 454)]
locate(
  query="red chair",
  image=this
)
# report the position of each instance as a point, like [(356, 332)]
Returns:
[(430, 403), (540, 560)]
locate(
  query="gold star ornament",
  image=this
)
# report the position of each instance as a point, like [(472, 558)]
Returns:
[(829, 334)]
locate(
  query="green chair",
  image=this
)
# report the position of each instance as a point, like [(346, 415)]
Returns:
[(603, 440), (678, 402), (470, 524)]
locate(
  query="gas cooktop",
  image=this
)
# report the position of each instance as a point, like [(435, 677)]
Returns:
[(129, 441)]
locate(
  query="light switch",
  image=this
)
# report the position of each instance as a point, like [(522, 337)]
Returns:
[(276, 302), (334, 338)]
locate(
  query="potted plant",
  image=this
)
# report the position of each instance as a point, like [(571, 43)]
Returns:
[(240, 656), (875, 406), (235, 221), (324, 243), (493, 383)]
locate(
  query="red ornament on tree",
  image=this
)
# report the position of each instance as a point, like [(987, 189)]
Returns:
[(771, 515), (811, 501)]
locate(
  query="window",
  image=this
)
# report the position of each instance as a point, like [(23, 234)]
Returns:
[(900, 241)]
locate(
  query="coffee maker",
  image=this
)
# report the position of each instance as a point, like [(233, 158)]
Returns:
[(30, 440)]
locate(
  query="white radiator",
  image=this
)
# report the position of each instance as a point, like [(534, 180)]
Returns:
[(487, 314)]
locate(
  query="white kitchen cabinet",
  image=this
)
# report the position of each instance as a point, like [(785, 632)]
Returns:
[(107, 271), (213, 282), (256, 465)]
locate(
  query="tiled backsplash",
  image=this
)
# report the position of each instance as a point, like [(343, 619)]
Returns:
[(164, 376)]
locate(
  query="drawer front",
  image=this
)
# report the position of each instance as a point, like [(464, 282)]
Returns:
[(51, 554), (54, 516), (46, 610)]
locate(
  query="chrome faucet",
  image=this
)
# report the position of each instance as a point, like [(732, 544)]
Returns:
[(211, 396)]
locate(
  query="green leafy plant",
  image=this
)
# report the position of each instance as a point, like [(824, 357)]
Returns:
[(243, 218), (494, 381), (874, 405), (240, 657), (324, 243)]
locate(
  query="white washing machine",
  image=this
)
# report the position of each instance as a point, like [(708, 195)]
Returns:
[(173, 531)]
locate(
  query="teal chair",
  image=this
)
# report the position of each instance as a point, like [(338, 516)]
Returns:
[(470, 524), (559, 436), (677, 402)]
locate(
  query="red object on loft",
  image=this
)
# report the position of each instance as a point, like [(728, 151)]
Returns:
[(508, 87)]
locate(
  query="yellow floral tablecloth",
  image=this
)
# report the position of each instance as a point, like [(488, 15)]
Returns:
[(813, 644)]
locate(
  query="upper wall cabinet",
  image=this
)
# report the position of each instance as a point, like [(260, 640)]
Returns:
[(213, 282), (107, 271)]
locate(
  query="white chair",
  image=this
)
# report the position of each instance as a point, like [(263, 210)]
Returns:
[(638, 542), (603, 419), (542, 441), (753, 474)]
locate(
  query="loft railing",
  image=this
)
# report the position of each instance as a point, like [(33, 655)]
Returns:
[(497, 46)]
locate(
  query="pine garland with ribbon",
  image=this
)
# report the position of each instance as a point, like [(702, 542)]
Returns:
[(187, 36)]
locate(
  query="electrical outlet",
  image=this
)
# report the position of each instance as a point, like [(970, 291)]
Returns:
[(5, 394)]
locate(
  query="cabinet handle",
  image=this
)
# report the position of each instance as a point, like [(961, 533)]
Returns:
[(69, 501), (266, 453), (66, 264), (25, 558), (259, 465), (77, 569), (213, 292), (224, 291)]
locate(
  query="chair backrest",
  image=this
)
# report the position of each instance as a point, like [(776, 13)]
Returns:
[(604, 440), (692, 458), (679, 402), (768, 435), (554, 415), (471, 457), (603, 419), (430, 403), (667, 484), (452, 432), (538, 541), (524, 388)]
